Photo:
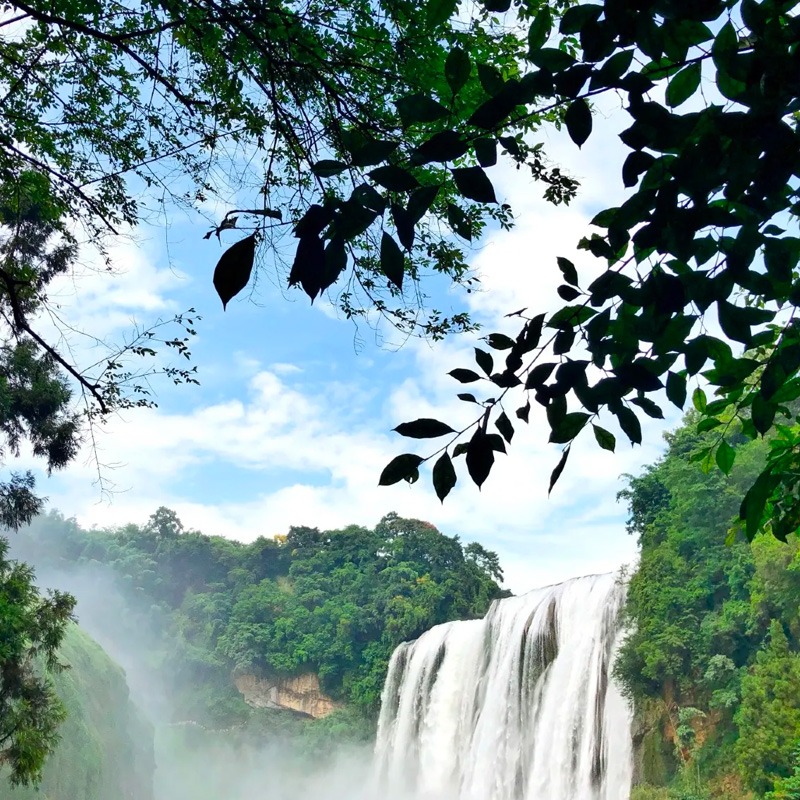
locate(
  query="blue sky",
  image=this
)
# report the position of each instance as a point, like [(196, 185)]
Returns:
[(292, 421)]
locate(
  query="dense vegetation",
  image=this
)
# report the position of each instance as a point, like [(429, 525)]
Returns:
[(713, 662), (332, 602), (105, 747)]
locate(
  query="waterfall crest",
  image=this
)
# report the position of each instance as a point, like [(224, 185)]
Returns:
[(519, 705)]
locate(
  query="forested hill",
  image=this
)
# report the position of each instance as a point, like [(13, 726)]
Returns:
[(712, 662), (204, 608)]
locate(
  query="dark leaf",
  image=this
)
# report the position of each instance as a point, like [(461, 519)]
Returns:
[(578, 120), (568, 270), (438, 12), (404, 224), (424, 428), (480, 457), (443, 146), (457, 68), (467, 397), (335, 262), (568, 427), (578, 16), (392, 260), (568, 293), (649, 407), (676, 389), (373, 152), (420, 108), (484, 360), (490, 79), (233, 269), (444, 476), (473, 183), (328, 168), (314, 220), (605, 438), (420, 201), (403, 467), (539, 31), (524, 411), (762, 413), (486, 151), (395, 179), (309, 268), (464, 375), (556, 474), (499, 341), (459, 222), (368, 197), (552, 59), (629, 424), (539, 374), (505, 427)]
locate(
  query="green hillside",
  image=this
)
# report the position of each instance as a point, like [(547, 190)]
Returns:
[(106, 747)]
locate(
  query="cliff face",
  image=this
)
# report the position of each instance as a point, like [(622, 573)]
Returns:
[(106, 747), (301, 694)]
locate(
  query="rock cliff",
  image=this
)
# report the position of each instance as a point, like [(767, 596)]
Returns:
[(301, 694)]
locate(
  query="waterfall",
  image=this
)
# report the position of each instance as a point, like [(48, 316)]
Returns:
[(519, 705)]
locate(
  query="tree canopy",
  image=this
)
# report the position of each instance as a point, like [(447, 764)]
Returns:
[(368, 133)]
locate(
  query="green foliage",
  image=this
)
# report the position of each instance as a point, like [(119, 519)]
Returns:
[(105, 748), (31, 631), (335, 603), (702, 214), (769, 717), (714, 626)]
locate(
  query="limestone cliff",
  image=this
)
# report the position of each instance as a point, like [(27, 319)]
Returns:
[(301, 694)]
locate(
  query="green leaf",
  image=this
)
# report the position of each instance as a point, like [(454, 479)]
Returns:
[(725, 457), (401, 468), (556, 474), (539, 31), (438, 12), (578, 120), (393, 178), (473, 183), (699, 399), (420, 108), (683, 85), (327, 168), (484, 360), (762, 413), (392, 260), (233, 269), (570, 316), (457, 68), (464, 375), (605, 438), (424, 428), (503, 424), (444, 476), (480, 457)]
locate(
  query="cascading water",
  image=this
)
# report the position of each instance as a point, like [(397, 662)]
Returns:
[(517, 706)]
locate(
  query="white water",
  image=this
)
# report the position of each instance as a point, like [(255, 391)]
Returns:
[(517, 706)]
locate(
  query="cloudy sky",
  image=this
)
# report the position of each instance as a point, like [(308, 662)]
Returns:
[(292, 421)]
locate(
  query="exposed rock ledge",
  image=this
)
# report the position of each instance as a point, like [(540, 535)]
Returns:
[(301, 694)]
